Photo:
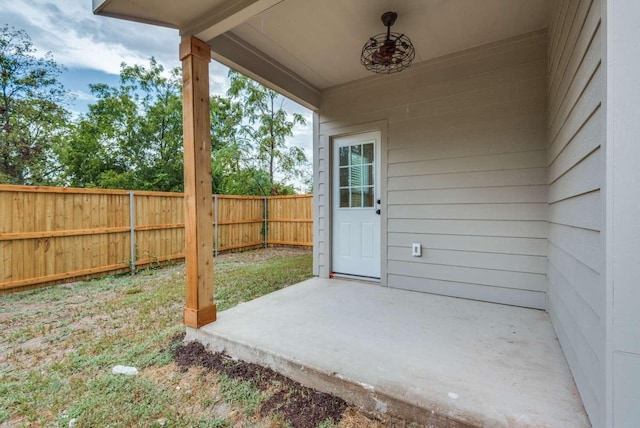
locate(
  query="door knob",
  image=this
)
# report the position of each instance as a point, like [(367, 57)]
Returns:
[(378, 212)]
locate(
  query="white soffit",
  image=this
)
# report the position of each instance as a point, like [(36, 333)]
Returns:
[(317, 43), (189, 16), (321, 40)]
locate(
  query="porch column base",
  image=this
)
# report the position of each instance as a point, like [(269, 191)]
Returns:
[(196, 318)]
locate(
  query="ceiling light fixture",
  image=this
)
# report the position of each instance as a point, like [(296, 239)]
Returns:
[(389, 52)]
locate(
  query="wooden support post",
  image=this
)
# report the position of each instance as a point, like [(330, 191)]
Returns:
[(198, 204), (132, 232)]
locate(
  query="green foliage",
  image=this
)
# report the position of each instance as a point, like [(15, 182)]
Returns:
[(229, 149), (131, 138), (269, 127), (32, 119)]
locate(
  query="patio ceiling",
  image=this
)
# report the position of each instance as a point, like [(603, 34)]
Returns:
[(301, 47)]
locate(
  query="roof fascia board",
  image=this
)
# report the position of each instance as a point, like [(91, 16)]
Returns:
[(219, 21), (100, 7), (235, 53)]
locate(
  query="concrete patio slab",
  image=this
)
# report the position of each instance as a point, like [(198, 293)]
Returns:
[(439, 361)]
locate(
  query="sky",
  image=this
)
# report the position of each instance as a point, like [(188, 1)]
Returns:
[(91, 49)]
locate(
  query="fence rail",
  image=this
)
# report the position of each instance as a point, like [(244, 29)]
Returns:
[(50, 235)]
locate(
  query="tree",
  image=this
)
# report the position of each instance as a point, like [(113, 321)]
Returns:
[(228, 148), (270, 125), (32, 118), (131, 138)]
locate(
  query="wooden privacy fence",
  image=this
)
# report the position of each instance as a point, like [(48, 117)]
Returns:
[(50, 234)]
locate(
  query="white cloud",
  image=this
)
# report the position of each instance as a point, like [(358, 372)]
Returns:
[(218, 80), (82, 96), (79, 39)]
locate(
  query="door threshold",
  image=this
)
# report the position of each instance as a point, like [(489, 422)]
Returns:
[(360, 278)]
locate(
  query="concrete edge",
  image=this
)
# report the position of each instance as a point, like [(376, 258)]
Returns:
[(362, 396)]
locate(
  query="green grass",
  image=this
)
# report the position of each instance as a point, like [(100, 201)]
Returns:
[(240, 392), (254, 280), (58, 345)]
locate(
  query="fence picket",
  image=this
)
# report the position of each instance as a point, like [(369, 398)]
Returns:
[(50, 235)]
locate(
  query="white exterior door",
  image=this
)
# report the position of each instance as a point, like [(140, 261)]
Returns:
[(355, 207)]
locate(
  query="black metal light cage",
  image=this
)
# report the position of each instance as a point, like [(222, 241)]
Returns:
[(389, 52)]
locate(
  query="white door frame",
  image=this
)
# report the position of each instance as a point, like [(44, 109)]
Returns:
[(363, 258), (326, 140)]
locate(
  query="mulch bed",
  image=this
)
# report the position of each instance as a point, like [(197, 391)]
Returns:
[(302, 407)]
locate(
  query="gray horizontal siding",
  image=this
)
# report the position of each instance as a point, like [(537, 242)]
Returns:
[(511, 228), (515, 177), (575, 257), (478, 244), (507, 296), (473, 211), (489, 162), (466, 171), (476, 259)]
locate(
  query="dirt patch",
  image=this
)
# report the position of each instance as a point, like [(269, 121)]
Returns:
[(300, 406), (354, 419)]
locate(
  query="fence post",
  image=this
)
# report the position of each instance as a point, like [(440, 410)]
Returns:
[(266, 224), (215, 225), (132, 231)]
